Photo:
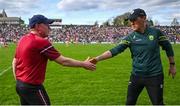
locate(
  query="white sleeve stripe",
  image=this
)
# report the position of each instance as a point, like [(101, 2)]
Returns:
[(46, 49)]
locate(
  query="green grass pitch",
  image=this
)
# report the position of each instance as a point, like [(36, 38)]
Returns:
[(76, 86)]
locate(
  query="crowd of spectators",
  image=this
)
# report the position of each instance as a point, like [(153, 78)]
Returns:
[(172, 32), (12, 33), (88, 33), (83, 33)]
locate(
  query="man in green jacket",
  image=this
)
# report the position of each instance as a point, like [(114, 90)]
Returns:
[(144, 43)]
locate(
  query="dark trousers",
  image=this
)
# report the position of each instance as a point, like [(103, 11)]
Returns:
[(32, 94), (153, 85)]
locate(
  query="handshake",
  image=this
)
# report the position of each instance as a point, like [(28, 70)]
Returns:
[(90, 63), (92, 60)]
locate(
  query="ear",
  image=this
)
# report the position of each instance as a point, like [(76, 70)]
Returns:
[(144, 17), (36, 26)]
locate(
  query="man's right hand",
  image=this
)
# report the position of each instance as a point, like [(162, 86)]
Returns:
[(89, 66)]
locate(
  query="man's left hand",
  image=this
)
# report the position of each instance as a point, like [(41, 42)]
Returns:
[(172, 71)]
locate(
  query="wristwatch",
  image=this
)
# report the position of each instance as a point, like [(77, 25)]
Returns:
[(172, 63)]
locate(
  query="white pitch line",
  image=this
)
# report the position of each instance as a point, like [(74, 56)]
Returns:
[(5, 70)]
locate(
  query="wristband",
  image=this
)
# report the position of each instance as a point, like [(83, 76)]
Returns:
[(172, 63)]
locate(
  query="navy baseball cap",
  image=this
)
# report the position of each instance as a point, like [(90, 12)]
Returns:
[(136, 13), (38, 19)]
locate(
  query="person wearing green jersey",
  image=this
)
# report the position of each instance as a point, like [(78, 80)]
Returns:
[(147, 71)]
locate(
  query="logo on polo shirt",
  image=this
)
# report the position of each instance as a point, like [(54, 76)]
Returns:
[(151, 37)]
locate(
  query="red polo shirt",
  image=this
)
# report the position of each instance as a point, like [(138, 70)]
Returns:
[(32, 54)]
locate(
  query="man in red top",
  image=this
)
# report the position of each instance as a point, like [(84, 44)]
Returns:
[(30, 61)]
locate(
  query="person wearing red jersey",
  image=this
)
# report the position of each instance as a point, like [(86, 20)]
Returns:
[(30, 61)]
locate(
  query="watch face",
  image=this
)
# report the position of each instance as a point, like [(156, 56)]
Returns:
[(172, 63)]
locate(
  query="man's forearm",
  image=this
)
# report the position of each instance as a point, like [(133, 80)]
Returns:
[(65, 61), (104, 56), (14, 68)]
